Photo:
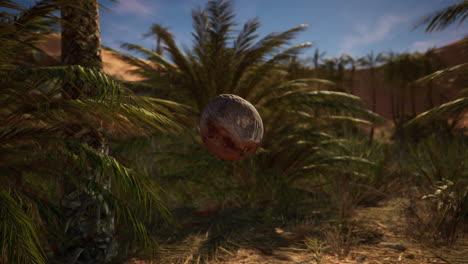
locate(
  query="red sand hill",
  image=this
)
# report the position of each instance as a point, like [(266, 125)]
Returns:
[(112, 64), (443, 90)]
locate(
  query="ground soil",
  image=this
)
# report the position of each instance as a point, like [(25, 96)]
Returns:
[(388, 219), (383, 230)]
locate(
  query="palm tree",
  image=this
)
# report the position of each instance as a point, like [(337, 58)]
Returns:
[(81, 35), (318, 56), (391, 75), (349, 60), (430, 62), (439, 20), (156, 31), (55, 170), (346, 60), (371, 60), (257, 70), (81, 45)]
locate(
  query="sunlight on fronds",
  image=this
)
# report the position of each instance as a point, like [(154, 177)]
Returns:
[(451, 108), (441, 73)]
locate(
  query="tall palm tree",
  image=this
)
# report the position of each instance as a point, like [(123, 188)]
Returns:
[(371, 60), (55, 170), (81, 35), (221, 61), (93, 234)]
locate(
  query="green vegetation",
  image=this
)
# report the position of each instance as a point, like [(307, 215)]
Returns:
[(84, 153)]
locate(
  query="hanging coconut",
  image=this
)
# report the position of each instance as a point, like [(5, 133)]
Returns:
[(231, 127)]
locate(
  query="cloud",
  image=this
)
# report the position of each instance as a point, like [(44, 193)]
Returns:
[(424, 45), (364, 34), (136, 7)]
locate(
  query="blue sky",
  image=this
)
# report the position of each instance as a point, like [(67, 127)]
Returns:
[(336, 26)]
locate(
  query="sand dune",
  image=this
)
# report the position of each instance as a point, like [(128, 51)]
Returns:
[(112, 64)]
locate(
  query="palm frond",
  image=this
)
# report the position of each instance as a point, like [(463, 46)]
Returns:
[(265, 48), (294, 86), (329, 99), (243, 85), (441, 19), (152, 56), (19, 241), (245, 38), (441, 73), (451, 108)]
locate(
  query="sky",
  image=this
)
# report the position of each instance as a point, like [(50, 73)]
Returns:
[(354, 27)]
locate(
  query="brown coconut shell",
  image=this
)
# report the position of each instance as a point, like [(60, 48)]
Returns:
[(231, 127)]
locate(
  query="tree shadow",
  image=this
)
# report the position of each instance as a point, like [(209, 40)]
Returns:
[(214, 235)]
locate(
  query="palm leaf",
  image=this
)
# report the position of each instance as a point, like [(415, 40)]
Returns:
[(440, 19), (452, 108), (19, 241), (441, 73)]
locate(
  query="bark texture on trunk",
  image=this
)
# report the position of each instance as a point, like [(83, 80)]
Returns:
[(88, 223), (87, 226), (81, 37)]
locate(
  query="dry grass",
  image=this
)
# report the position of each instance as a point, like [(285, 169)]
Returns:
[(377, 235)]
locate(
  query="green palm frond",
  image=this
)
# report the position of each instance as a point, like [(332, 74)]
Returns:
[(257, 74), (21, 31), (19, 240), (441, 73), (10, 5), (245, 38), (203, 72), (111, 101), (135, 200), (451, 108), (149, 55), (441, 19), (329, 99)]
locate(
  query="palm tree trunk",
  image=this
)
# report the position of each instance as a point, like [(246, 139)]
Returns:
[(81, 37), (159, 46), (413, 100), (374, 103), (88, 224), (429, 95)]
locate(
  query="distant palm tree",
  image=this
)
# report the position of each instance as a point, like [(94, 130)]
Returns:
[(347, 60), (156, 31), (430, 62), (316, 59), (371, 61), (391, 75)]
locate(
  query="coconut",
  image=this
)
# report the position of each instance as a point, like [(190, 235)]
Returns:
[(231, 127)]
